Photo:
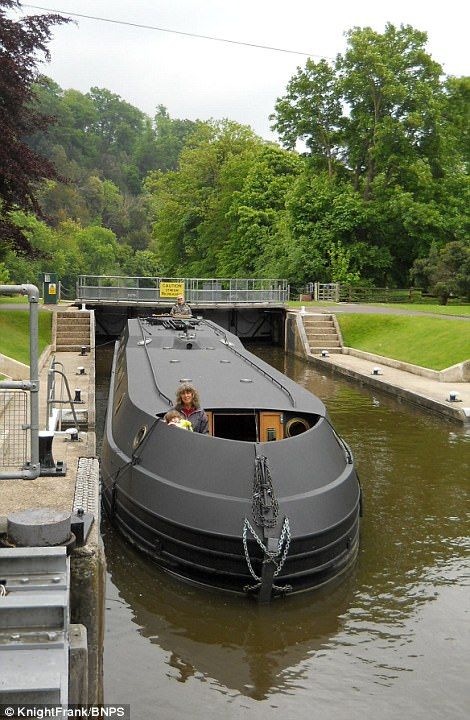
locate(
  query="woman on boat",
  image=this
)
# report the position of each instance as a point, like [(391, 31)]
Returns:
[(187, 403)]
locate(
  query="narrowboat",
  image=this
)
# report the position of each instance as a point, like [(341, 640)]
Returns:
[(266, 504)]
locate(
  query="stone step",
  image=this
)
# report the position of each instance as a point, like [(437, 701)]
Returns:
[(72, 347), (320, 328), (73, 337), (327, 344), (318, 350), (73, 330), (77, 322), (73, 313), (314, 323), (322, 337)]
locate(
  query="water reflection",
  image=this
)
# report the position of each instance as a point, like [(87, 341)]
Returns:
[(374, 630), (252, 650)]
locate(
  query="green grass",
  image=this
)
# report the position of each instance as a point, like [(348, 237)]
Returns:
[(310, 303), (12, 299), (14, 333), (430, 342)]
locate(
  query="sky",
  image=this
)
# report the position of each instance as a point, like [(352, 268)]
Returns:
[(203, 79)]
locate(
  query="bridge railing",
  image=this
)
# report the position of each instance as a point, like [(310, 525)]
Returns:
[(196, 290)]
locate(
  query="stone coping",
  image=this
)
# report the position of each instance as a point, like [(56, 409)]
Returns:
[(455, 373)]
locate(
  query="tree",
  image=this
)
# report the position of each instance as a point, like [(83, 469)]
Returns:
[(385, 126), (445, 271), (254, 242), (393, 90), (311, 112), (21, 43), (190, 206)]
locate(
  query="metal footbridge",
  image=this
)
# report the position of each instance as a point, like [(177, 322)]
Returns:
[(200, 292)]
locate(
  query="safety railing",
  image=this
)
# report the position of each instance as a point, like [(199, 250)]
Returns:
[(19, 431), (160, 290), (55, 405), (14, 429)]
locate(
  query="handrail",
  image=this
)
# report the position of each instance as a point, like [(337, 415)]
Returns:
[(52, 400), (160, 392), (119, 288)]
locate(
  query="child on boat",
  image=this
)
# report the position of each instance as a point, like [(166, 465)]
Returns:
[(173, 417)]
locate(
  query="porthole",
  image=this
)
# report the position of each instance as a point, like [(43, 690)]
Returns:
[(141, 433), (296, 426)]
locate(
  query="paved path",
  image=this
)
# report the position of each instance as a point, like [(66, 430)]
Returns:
[(379, 310), (56, 492), (25, 306)]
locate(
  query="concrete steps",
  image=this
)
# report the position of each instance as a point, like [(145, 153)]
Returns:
[(322, 334), (72, 330)]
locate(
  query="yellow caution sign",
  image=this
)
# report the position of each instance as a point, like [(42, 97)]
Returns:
[(52, 289), (171, 289)]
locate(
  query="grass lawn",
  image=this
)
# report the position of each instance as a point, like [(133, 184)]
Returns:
[(429, 342), (10, 299), (14, 333)]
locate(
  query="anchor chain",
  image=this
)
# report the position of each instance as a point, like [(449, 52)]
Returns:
[(265, 506), (278, 557)]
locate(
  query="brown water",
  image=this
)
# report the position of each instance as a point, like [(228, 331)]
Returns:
[(391, 641)]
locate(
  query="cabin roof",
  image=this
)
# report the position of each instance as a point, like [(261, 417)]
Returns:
[(225, 374)]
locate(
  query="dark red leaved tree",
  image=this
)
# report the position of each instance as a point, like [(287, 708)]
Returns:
[(23, 43)]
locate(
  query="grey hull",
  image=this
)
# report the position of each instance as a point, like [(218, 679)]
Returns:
[(188, 500)]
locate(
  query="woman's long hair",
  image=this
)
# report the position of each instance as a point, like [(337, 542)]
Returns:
[(187, 386)]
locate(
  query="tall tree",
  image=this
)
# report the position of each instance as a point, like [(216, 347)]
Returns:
[(22, 42), (311, 112), (392, 87), (190, 206)]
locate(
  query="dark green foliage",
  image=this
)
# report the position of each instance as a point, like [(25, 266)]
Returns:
[(445, 271), (394, 140)]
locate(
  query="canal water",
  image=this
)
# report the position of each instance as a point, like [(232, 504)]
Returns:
[(390, 641)]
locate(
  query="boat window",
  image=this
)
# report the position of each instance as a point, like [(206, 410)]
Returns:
[(235, 426), (296, 426), (140, 434)]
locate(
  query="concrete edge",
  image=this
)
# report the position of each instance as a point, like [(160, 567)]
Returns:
[(20, 371), (451, 413), (455, 373), (13, 368), (338, 330), (91, 449), (54, 330)]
